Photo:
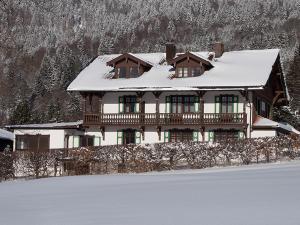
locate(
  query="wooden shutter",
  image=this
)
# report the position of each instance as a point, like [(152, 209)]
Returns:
[(195, 136), (121, 104), (236, 104), (217, 104), (70, 141), (119, 137), (196, 103), (137, 137), (211, 136), (241, 135), (76, 141), (137, 106), (97, 141), (168, 104), (167, 136)]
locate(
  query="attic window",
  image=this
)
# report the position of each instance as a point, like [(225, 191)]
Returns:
[(122, 72), (133, 72), (182, 72), (196, 71), (189, 71)]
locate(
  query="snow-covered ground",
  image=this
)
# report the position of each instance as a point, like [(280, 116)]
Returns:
[(251, 195)]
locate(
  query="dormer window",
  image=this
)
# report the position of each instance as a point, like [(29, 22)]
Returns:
[(121, 72), (133, 72), (196, 71), (128, 65), (190, 65), (182, 72)]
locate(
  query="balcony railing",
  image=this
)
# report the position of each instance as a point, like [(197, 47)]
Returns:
[(160, 119)]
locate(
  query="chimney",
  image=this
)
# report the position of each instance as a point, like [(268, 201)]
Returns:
[(170, 51), (218, 48)]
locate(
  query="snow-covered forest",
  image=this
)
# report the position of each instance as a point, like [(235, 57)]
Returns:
[(44, 44)]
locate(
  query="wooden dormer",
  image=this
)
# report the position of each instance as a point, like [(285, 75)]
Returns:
[(190, 65), (128, 66)]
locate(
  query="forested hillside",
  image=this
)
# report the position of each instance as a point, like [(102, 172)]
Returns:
[(44, 44)]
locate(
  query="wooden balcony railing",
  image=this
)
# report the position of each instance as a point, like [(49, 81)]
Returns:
[(166, 119)]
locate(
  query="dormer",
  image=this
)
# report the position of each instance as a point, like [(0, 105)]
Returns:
[(190, 65), (128, 65)]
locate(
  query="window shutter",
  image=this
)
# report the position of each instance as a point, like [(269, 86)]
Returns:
[(119, 137), (236, 104), (168, 104), (210, 136), (217, 104), (195, 136), (241, 135), (76, 141), (70, 141), (97, 141), (121, 104), (167, 136), (197, 105), (137, 137), (137, 106)]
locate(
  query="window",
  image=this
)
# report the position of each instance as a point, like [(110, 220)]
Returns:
[(196, 71), (92, 104), (129, 104), (183, 104), (262, 108), (182, 72), (133, 72), (32, 142), (122, 72), (128, 136), (181, 135), (226, 104), (83, 141), (223, 135)]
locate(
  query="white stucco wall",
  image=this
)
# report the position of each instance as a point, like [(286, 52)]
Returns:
[(111, 105), (57, 136), (263, 133)]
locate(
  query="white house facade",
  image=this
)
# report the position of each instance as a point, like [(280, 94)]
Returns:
[(167, 97)]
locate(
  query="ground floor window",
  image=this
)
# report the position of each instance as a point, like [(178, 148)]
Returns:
[(180, 135), (223, 135), (128, 136), (76, 141), (32, 142)]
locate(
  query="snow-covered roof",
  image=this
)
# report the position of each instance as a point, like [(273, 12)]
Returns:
[(262, 122), (4, 134), (65, 125), (234, 70)]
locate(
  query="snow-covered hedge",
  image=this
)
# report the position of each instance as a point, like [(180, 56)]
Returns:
[(147, 157)]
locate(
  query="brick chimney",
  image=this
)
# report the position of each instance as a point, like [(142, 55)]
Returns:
[(218, 48), (170, 51)]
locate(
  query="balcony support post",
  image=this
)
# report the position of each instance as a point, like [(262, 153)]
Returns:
[(100, 96), (156, 95), (202, 131), (102, 130), (201, 103)]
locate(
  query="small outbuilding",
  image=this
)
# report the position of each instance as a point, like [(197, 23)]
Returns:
[(39, 137), (6, 140)]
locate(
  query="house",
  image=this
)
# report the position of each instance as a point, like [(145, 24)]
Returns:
[(51, 136), (167, 97), (6, 140)]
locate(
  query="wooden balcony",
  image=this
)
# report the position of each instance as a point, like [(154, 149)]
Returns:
[(161, 119)]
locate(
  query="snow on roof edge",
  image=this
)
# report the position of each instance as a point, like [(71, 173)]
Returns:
[(4, 134), (65, 125)]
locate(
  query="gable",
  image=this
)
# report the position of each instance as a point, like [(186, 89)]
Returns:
[(190, 58), (127, 58)]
